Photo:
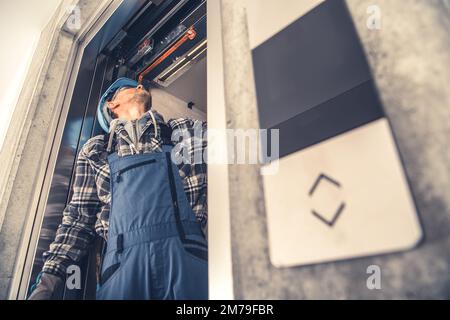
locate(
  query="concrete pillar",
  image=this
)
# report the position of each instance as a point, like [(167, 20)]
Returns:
[(246, 199), (410, 60)]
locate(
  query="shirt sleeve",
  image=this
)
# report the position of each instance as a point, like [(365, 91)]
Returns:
[(200, 206), (76, 231), (193, 139)]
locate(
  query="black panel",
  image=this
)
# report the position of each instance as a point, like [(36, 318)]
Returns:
[(348, 111), (305, 75)]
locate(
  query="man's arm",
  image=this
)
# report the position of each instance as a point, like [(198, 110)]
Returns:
[(76, 231)]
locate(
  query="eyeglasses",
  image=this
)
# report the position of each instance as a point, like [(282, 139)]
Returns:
[(113, 94)]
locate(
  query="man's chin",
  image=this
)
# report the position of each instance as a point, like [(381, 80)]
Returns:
[(143, 98)]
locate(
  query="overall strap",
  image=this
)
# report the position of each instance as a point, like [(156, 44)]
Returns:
[(166, 134)]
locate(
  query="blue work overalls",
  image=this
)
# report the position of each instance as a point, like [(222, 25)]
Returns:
[(155, 247)]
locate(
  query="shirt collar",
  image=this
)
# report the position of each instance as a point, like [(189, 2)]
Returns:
[(145, 121)]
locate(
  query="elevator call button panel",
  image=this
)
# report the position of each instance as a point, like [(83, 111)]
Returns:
[(339, 190)]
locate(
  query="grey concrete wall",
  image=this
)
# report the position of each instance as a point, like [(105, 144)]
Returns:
[(31, 133), (28, 155), (410, 59)]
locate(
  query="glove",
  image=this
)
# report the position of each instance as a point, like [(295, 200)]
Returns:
[(47, 287)]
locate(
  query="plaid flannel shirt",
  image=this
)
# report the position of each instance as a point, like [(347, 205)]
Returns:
[(87, 213)]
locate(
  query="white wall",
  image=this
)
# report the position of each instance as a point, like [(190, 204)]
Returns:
[(170, 107), (21, 23)]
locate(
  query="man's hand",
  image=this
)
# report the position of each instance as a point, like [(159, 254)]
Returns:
[(47, 287)]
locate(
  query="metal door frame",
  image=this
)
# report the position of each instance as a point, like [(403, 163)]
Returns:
[(27, 249)]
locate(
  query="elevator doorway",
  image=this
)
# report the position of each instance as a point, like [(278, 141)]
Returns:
[(161, 43)]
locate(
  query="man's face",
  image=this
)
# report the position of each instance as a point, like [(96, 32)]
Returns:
[(126, 98)]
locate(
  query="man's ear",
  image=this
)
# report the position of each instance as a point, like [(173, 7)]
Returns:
[(111, 105)]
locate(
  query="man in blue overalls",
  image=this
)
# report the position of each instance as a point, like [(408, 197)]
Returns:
[(132, 187)]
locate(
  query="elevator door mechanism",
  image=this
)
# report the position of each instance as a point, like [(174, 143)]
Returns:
[(160, 52), (339, 190)]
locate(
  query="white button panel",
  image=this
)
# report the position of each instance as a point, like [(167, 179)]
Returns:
[(343, 198)]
